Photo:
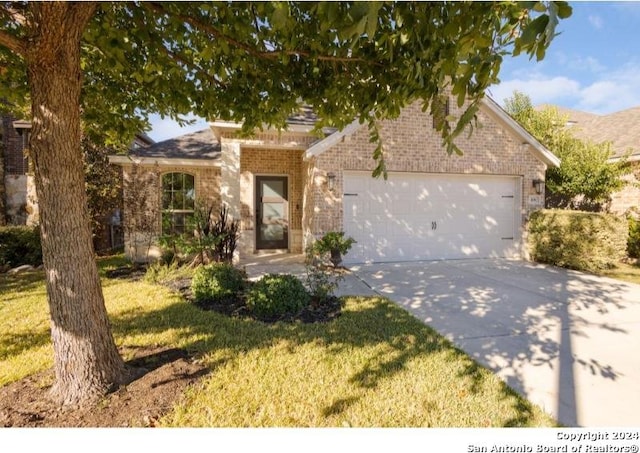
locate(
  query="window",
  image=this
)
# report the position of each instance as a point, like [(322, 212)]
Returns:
[(178, 201)]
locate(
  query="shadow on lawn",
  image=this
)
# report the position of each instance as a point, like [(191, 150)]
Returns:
[(362, 324)]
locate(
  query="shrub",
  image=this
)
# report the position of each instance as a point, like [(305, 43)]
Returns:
[(20, 245), (321, 281), (164, 273), (633, 241), (577, 240), (335, 244), (275, 296), (217, 283)]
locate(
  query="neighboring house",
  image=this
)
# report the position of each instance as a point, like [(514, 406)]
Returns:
[(289, 188), (622, 130), (19, 199), (20, 203)]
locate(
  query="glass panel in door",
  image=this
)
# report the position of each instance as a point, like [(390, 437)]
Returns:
[(272, 213)]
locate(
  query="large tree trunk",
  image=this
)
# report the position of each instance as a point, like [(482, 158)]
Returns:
[(86, 360)]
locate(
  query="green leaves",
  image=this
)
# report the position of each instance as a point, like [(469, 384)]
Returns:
[(585, 171), (256, 62)]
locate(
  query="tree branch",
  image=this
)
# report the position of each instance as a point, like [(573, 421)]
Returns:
[(12, 43), (270, 55)]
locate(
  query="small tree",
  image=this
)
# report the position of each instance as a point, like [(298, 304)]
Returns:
[(585, 178), (103, 182), (141, 210), (208, 238)]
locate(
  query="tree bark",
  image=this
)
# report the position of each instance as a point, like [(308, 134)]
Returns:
[(86, 361)]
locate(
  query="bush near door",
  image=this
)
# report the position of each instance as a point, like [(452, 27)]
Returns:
[(579, 240)]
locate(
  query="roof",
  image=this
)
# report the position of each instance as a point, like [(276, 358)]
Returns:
[(196, 145), (304, 117), (621, 129), (490, 106), (200, 148)]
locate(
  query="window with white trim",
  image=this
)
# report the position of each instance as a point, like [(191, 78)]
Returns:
[(178, 202)]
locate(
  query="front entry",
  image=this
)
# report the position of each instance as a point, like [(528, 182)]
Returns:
[(272, 212)]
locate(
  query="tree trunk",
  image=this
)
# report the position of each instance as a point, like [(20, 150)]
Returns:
[(3, 210), (86, 360)]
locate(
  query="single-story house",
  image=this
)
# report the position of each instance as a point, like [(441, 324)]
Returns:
[(622, 130), (290, 187)]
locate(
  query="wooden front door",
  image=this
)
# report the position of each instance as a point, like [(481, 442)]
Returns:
[(272, 212)]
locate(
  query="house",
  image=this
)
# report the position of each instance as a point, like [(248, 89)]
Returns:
[(290, 187), (622, 130), (18, 200), (19, 206)]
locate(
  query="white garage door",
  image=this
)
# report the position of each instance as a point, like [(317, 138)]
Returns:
[(417, 216)]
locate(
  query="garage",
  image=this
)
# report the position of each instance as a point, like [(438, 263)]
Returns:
[(421, 216)]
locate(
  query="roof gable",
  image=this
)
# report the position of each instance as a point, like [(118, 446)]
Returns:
[(487, 104)]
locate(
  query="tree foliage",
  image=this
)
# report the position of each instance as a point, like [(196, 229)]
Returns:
[(585, 178), (103, 182), (118, 62), (255, 62)]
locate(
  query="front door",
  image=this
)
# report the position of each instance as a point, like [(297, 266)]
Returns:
[(272, 212)]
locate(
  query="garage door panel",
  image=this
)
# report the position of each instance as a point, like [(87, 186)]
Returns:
[(424, 216)]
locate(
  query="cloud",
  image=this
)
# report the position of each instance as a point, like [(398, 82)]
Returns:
[(609, 92), (540, 89), (166, 128), (596, 21)]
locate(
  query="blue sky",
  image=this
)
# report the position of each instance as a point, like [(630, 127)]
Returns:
[(593, 65)]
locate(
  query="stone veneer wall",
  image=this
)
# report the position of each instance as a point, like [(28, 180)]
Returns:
[(412, 145)]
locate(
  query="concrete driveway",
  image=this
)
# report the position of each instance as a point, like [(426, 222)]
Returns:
[(568, 341)]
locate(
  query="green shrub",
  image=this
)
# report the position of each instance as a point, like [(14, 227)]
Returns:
[(164, 273), (333, 244), (20, 245), (633, 242), (580, 240), (274, 296), (217, 282)]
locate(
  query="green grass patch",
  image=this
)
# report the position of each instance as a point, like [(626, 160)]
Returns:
[(375, 365), (625, 272)]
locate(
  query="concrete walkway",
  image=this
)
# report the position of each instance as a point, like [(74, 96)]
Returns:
[(257, 266), (568, 341)]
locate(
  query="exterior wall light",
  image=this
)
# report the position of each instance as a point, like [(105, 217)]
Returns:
[(538, 184), (331, 182)]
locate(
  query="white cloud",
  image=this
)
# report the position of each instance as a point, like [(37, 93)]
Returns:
[(166, 128), (596, 21), (610, 92), (540, 89)]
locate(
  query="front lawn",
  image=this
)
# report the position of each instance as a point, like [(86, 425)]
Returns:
[(625, 271), (374, 366)]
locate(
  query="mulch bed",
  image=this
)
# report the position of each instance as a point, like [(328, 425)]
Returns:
[(327, 311), (26, 403)]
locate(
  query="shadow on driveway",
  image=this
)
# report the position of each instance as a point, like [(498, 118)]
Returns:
[(566, 340)]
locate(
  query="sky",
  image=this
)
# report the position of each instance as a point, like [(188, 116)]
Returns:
[(593, 65)]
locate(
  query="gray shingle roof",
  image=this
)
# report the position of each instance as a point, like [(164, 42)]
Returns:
[(622, 128), (196, 145)]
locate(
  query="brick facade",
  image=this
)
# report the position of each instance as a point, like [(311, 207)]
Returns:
[(629, 196), (15, 162), (411, 144), (257, 162), (207, 191)]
